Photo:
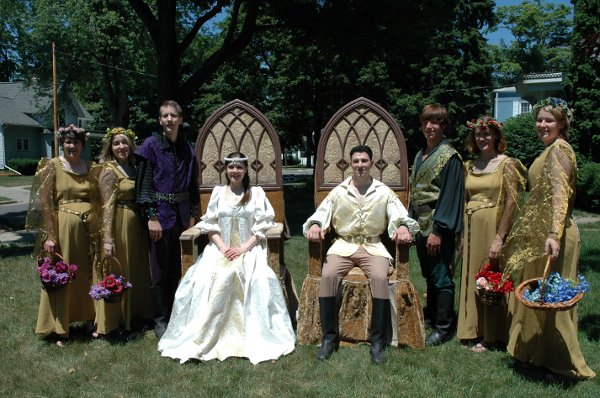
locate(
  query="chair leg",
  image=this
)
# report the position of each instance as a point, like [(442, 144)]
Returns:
[(329, 325), (380, 319)]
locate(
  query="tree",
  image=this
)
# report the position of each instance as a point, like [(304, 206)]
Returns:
[(171, 41), (99, 56), (542, 32), (11, 19), (400, 54), (583, 83)]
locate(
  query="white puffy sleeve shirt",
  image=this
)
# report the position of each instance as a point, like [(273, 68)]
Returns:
[(380, 210)]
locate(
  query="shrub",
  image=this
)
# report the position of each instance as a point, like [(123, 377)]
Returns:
[(24, 166), (523, 142), (588, 187)]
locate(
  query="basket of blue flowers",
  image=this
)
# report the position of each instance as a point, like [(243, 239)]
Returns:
[(552, 292)]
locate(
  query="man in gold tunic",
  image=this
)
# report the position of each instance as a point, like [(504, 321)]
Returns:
[(359, 210)]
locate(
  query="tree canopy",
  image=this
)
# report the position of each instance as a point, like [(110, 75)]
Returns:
[(298, 61), (542, 33)]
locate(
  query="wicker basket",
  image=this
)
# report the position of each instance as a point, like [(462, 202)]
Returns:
[(532, 284), (50, 287), (489, 297), (104, 265)]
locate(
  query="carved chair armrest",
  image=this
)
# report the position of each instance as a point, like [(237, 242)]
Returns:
[(189, 248), (276, 232), (275, 237)]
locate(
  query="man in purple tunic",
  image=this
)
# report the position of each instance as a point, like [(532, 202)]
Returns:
[(167, 189)]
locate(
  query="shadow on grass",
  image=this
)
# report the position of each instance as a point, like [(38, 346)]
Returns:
[(78, 333), (590, 325), (15, 249), (541, 375), (589, 260)]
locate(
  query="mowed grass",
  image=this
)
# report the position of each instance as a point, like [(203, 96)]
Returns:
[(15, 181), (92, 368)]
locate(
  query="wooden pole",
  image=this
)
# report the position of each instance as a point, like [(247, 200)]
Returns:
[(54, 111)]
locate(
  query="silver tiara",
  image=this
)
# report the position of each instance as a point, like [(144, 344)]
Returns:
[(235, 159)]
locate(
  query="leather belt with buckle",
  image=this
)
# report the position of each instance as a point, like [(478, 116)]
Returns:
[(360, 239), (171, 197)]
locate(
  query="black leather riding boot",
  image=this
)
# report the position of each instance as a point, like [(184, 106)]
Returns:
[(443, 328), (380, 319), (329, 325)]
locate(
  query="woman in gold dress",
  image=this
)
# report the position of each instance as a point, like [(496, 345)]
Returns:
[(546, 228), (122, 237), (493, 183), (59, 207)]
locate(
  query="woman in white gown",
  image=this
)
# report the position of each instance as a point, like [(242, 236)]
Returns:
[(230, 302)]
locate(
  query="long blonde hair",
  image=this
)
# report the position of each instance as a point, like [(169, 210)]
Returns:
[(107, 155)]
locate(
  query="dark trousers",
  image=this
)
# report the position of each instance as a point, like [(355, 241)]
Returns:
[(165, 263), (437, 272)]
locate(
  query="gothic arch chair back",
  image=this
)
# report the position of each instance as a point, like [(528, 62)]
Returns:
[(362, 122), (239, 127)]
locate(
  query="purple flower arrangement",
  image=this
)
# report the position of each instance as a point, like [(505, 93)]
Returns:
[(55, 274), (558, 289), (110, 286)]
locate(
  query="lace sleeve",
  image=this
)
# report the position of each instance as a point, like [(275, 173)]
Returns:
[(562, 171), (108, 187), (514, 181), (42, 203)]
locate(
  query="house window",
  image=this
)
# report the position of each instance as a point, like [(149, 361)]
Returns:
[(22, 144), (525, 107)]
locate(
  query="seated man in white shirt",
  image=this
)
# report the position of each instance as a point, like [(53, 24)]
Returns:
[(359, 210)]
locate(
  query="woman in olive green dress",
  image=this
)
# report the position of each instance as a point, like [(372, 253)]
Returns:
[(59, 207), (546, 228), (123, 242), (493, 184)]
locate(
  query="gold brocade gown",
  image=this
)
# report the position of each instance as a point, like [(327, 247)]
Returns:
[(122, 225), (69, 193), (547, 338), (491, 198)]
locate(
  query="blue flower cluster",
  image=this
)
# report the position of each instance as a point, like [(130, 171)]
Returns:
[(558, 289)]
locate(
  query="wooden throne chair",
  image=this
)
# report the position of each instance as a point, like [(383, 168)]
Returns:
[(362, 122), (238, 126)]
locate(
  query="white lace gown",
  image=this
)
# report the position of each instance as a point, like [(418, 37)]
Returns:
[(231, 308)]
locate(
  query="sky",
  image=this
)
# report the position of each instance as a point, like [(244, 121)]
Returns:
[(495, 37)]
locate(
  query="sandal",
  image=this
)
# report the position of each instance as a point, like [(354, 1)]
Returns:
[(61, 341), (479, 348), (90, 329)]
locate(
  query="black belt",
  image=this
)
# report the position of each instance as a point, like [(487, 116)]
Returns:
[(171, 197)]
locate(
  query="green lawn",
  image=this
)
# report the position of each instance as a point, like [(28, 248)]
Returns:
[(15, 181), (93, 368)]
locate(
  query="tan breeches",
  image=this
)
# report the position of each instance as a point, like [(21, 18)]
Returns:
[(336, 267)]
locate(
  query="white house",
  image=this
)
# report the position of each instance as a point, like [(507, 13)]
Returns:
[(515, 100), (26, 123)]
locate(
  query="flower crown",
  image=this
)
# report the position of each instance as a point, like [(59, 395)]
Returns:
[(483, 124), (110, 133), (556, 103), (79, 132)]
